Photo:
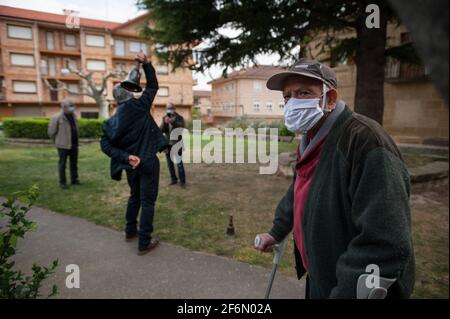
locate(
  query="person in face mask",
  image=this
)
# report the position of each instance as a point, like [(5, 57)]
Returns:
[(348, 205), (63, 130)]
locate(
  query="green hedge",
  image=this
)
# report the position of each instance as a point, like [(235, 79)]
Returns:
[(36, 128)]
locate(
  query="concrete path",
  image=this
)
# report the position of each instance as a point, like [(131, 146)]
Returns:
[(110, 267)]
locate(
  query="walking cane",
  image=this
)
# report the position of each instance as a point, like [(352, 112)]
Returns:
[(279, 249)]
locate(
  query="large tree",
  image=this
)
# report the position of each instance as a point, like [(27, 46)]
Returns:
[(89, 87), (283, 27)]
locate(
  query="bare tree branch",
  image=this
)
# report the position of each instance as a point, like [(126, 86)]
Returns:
[(61, 86)]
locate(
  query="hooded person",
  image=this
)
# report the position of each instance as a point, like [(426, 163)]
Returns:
[(132, 139)]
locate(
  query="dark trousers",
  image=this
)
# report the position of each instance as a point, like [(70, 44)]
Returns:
[(180, 166), (143, 194), (72, 154)]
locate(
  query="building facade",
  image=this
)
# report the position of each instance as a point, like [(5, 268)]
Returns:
[(244, 93), (37, 45), (414, 112), (202, 102)]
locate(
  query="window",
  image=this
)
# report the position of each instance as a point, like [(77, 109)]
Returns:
[(281, 105), (162, 69), (70, 40), (19, 32), (119, 47), (257, 85), (96, 65), (44, 67), (52, 66), (163, 91), (95, 40), (73, 87), (121, 67), (137, 47), (269, 106), (50, 40), (24, 87), (22, 59), (256, 106), (53, 94), (71, 64)]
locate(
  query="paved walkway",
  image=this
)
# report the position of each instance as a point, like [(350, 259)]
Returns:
[(111, 268)]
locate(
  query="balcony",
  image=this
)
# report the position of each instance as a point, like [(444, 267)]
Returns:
[(61, 53), (227, 111), (402, 72)]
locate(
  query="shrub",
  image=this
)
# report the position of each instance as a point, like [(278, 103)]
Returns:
[(14, 284), (239, 122), (36, 128), (90, 128), (25, 127)]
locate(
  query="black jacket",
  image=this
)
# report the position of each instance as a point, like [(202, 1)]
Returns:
[(166, 129), (356, 212), (133, 131)]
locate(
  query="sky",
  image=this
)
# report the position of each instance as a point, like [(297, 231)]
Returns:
[(114, 10)]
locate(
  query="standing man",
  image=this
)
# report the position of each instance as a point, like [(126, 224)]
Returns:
[(349, 203), (172, 120), (63, 130), (132, 139)]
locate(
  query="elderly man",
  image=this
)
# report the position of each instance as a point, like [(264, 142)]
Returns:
[(349, 203), (171, 121), (132, 139), (63, 130)]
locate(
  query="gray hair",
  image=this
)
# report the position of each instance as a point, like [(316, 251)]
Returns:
[(121, 95), (66, 103)]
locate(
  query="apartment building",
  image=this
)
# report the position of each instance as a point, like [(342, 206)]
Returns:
[(37, 45), (202, 102), (244, 93), (414, 111)]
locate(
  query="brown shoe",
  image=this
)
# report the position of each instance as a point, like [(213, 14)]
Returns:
[(130, 237), (142, 250)]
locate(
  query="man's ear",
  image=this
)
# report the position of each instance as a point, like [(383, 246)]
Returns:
[(331, 98)]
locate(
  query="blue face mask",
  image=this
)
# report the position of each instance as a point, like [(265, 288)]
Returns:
[(71, 109)]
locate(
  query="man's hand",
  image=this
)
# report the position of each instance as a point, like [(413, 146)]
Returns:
[(141, 57), (134, 161), (266, 244)]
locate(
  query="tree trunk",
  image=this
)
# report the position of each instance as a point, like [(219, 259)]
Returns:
[(370, 63), (103, 107)]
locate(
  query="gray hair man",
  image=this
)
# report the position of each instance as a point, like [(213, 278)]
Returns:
[(63, 130), (348, 205)]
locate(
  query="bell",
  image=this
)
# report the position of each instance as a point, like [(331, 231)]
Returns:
[(230, 228), (133, 79)]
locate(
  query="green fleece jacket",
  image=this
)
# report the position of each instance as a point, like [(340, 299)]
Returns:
[(356, 212)]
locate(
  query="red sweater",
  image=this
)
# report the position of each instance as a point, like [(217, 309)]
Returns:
[(305, 167)]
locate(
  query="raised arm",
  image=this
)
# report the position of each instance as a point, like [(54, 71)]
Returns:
[(151, 87)]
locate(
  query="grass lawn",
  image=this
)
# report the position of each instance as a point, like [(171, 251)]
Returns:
[(197, 217)]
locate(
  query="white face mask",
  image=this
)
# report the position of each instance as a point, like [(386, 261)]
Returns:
[(300, 115)]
